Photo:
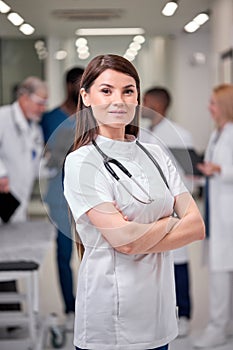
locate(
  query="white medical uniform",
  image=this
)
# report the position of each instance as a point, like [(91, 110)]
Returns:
[(220, 151), (21, 145), (123, 301), (169, 134)]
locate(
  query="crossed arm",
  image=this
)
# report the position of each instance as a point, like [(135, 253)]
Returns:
[(165, 234)]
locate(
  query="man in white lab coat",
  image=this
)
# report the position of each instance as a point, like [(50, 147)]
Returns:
[(169, 134), (21, 144)]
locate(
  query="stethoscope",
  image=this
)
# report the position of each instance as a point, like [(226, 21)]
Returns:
[(107, 160)]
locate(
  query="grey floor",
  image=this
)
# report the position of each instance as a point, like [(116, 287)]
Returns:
[(178, 344)]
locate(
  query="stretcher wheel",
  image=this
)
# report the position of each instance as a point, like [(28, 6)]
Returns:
[(58, 337)]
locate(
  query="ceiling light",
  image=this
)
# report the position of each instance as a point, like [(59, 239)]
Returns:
[(84, 55), (139, 39), (201, 18), (82, 49), (60, 55), (109, 31), (197, 21), (4, 8), (129, 57), (170, 8), (39, 44), (81, 42), (135, 46), (27, 29), (15, 18), (191, 27)]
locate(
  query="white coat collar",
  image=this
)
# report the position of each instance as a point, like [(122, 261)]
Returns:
[(19, 117)]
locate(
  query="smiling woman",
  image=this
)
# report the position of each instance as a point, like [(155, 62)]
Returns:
[(122, 204), (113, 97)]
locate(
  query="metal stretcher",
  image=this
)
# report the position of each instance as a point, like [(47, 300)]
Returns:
[(22, 250)]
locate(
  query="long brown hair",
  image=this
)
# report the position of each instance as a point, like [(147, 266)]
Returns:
[(86, 125)]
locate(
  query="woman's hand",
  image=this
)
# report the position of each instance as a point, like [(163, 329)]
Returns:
[(209, 168), (125, 217), (4, 184)]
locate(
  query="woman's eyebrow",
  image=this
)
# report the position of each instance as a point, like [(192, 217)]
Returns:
[(124, 87), (130, 85), (105, 84)]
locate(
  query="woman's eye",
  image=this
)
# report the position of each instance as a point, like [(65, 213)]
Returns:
[(129, 92), (106, 91)]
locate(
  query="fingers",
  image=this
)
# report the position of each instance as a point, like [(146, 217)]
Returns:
[(125, 217), (4, 185)]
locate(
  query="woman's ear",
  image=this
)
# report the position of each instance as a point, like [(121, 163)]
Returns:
[(85, 97)]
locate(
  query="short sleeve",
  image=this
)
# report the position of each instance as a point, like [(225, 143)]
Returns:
[(175, 183), (85, 183)]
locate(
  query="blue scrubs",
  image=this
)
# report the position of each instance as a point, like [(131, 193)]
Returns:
[(53, 123)]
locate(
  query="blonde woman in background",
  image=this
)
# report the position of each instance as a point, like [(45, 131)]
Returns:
[(218, 167)]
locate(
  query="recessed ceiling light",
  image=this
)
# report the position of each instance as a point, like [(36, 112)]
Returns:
[(82, 49), (191, 27), (109, 31), (201, 18), (60, 55), (135, 46), (81, 42), (139, 39), (15, 18), (170, 8), (4, 8), (84, 55), (27, 29)]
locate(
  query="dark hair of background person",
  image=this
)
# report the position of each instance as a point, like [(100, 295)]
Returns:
[(72, 79), (87, 128), (161, 93), (73, 73)]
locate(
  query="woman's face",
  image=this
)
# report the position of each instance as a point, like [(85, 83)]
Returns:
[(113, 98), (214, 109)]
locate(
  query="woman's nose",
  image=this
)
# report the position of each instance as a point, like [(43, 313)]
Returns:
[(118, 98)]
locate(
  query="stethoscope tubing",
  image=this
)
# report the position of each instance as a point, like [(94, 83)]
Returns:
[(107, 160)]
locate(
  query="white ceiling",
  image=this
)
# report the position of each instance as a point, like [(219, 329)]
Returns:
[(132, 13)]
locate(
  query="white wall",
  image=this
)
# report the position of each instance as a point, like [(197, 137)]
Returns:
[(221, 33), (54, 73), (191, 85)]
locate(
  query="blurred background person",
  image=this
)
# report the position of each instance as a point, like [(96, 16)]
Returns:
[(21, 145), (58, 128), (170, 134), (21, 142), (218, 167)]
